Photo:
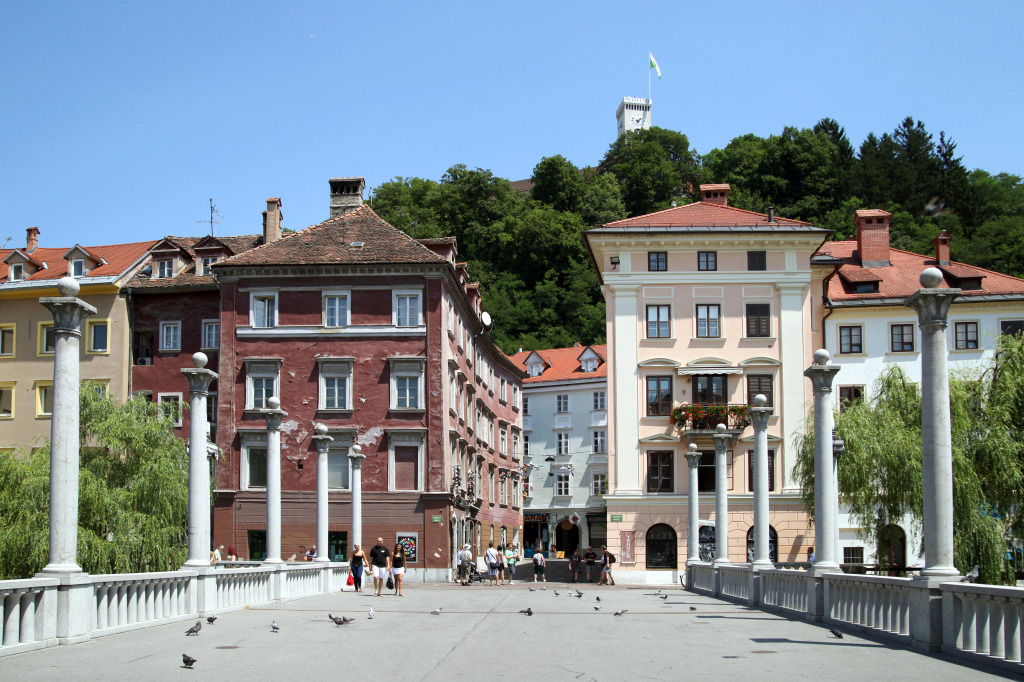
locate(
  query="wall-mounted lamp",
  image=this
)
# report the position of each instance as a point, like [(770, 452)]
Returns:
[(549, 458), (615, 262)]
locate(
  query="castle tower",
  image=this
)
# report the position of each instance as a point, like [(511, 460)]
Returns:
[(634, 113)]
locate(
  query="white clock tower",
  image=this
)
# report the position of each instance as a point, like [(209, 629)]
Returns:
[(634, 113)]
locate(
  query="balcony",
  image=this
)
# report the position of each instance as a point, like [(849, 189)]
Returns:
[(706, 416)]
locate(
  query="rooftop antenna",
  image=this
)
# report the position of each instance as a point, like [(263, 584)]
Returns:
[(211, 221)]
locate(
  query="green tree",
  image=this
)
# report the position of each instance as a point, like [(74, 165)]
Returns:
[(654, 167), (557, 183), (133, 494)]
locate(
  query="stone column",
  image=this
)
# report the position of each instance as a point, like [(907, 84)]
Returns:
[(932, 306), (356, 456), (274, 416), (323, 442), (759, 415), (68, 314), (199, 380), (721, 439), (826, 495), (693, 502)]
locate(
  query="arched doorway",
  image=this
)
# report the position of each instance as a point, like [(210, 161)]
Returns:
[(706, 546), (892, 549), (661, 546), (567, 537), (773, 544)]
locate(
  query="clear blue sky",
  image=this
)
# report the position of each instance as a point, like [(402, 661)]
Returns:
[(120, 119)]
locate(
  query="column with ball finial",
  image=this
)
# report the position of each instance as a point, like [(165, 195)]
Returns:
[(323, 442), (199, 380), (274, 416)]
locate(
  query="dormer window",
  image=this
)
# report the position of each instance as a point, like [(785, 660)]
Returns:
[(165, 269), (78, 267), (970, 283), (589, 365), (535, 370), (16, 273), (207, 262), (866, 288)]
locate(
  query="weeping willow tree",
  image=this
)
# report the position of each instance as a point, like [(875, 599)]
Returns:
[(880, 475), (133, 494)]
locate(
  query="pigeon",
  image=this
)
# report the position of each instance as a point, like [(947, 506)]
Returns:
[(345, 620), (971, 576), (556, 592), (532, 590), (210, 619), (693, 608), (658, 592), (338, 620), (194, 630), (274, 627), (578, 595), (836, 633), (597, 608), (544, 588), (664, 596), (292, 557), (619, 613), (437, 611), (528, 611), (597, 598), (187, 660), (370, 614)]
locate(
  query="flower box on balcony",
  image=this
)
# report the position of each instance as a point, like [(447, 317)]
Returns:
[(706, 416)]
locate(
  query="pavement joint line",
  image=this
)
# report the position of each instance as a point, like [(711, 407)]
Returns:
[(460, 641)]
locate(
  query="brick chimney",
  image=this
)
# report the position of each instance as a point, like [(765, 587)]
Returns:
[(715, 194), (31, 239), (272, 220), (873, 237), (942, 248), (346, 195)]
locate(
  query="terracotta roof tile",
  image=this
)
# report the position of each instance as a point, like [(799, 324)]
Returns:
[(119, 258), (872, 213), (188, 277), (563, 364), (705, 214)]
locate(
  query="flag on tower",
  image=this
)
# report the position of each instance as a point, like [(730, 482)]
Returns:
[(654, 65)]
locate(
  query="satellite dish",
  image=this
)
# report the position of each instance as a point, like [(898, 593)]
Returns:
[(485, 317)]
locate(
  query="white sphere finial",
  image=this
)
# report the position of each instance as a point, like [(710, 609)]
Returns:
[(68, 286), (931, 278), (720, 428), (760, 400), (821, 356), (274, 403), (321, 429), (199, 359), (692, 447), (355, 449)]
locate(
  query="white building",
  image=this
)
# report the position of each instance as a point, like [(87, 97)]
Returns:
[(633, 114), (565, 448)]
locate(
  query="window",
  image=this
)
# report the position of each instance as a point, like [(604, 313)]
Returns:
[(7, 340), (850, 340), (16, 272), (96, 333), (759, 383), (407, 383), (336, 310), (44, 398), (526, 405), (901, 338), (503, 490), (657, 321), (849, 395), (759, 320), (563, 402), (750, 471), (599, 400), (707, 260), (515, 444), (599, 442), (709, 389), (966, 335), (77, 267), (338, 468), (47, 339), (526, 445), (659, 471), (405, 469), (7, 400), (707, 321), (165, 269), (562, 486), (503, 441), (515, 396), (503, 390), (256, 461), (211, 415), (335, 389), (170, 336), (170, 406), (706, 473), (659, 396), (264, 311), (211, 334), (207, 262), (853, 555), (599, 484), (407, 309), (1011, 327), (563, 443), (261, 377), (142, 347), (757, 260), (657, 261)]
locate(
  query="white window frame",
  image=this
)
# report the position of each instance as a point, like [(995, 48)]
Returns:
[(503, 441), (403, 293), (165, 268), (503, 491), (503, 390), (599, 441), (90, 327), (516, 441), (342, 450), (250, 440), (260, 296), (563, 443), (334, 368), (16, 272), (515, 396), (205, 341), (599, 483), (600, 401), (526, 406), (708, 320), (261, 368), (177, 397), (207, 261), (401, 438), (407, 368), (346, 318), (77, 268), (562, 402), (563, 481), (165, 328)]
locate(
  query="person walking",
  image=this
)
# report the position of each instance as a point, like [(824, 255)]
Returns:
[(575, 563), (380, 564), (357, 562), (493, 561), (465, 560), (591, 564), (607, 559), (539, 562), (511, 557), (398, 567)]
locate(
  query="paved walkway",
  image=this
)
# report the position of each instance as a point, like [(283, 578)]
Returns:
[(480, 635)]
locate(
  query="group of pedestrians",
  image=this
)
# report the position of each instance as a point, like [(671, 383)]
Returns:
[(382, 564), (600, 573), (501, 563)]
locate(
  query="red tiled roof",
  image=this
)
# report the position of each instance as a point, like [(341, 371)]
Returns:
[(712, 186), (188, 277), (119, 258), (872, 213), (563, 364), (902, 277), (705, 214), (332, 242)]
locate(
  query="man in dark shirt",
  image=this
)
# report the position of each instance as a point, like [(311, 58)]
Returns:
[(380, 564), (590, 557)]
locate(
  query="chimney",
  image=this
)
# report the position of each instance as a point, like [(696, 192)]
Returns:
[(346, 195), (272, 220), (942, 248), (715, 194), (771, 214), (873, 237), (31, 239)]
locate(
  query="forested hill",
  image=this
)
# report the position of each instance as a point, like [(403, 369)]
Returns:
[(528, 254)]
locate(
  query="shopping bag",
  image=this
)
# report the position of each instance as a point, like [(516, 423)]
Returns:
[(351, 580), (391, 583)]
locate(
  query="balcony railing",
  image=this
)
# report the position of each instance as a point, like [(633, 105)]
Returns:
[(706, 416)]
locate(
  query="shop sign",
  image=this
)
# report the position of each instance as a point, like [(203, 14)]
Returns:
[(535, 517)]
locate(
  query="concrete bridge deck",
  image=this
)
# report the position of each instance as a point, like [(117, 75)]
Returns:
[(481, 635)]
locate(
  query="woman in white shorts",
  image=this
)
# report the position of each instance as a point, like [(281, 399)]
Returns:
[(398, 567)]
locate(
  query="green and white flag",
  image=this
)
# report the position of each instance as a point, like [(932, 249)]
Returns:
[(654, 65)]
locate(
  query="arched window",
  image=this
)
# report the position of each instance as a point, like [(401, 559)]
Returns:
[(661, 546), (892, 548), (773, 544)]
